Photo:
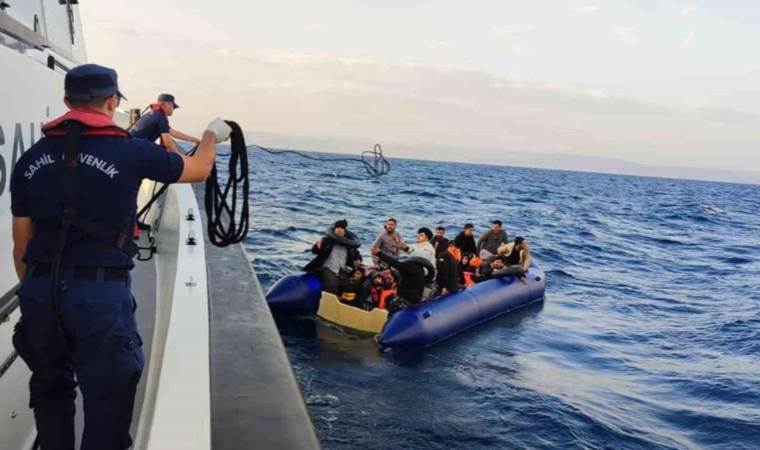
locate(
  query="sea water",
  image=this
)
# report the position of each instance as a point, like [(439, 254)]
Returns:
[(649, 336)]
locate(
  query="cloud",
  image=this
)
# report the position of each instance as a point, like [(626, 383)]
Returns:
[(316, 95), (686, 10), (518, 50), (512, 29), (628, 35), (314, 27), (588, 9), (687, 40), (438, 44)]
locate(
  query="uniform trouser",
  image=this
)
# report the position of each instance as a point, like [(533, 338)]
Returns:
[(101, 351)]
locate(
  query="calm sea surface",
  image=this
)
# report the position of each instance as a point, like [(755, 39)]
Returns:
[(649, 336)]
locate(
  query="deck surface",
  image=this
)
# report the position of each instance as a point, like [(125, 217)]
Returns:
[(255, 400), (144, 290)]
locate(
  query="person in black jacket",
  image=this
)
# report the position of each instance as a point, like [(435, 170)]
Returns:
[(465, 241), (447, 273), (415, 274), (439, 238), (336, 252)]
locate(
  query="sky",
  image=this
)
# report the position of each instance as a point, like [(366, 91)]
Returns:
[(671, 83)]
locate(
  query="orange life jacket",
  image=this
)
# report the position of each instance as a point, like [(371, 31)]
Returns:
[(95, 124), (384, 297)]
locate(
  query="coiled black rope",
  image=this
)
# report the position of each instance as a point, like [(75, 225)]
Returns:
[(373, 160), (224, 226)]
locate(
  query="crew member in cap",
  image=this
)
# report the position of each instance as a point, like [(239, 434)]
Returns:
[(155, 124), (73, 197)]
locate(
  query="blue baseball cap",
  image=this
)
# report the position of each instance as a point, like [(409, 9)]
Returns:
[(91, 81), (168, 98)]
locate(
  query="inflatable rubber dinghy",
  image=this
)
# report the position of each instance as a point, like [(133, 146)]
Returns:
[(418, 325)]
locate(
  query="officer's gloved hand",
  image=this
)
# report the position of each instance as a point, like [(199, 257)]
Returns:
[(220, 129)]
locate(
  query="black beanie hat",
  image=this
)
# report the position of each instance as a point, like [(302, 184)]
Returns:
[(343, 223)]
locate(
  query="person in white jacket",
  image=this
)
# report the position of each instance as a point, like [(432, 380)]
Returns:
[(422, 247)]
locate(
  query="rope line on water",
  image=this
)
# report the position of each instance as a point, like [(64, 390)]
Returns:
[(225, 224), (373, 160)]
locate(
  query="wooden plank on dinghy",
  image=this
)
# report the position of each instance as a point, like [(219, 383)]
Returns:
[(330, 308)]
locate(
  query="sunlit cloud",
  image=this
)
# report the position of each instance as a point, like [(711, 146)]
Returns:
[(314, 27), (687, 40), (392, 73), (628, 35), (438, 44), (512, 29), (518, 50)]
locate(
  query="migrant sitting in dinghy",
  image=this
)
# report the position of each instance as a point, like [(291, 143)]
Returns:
[(410, 320), (416, 275)]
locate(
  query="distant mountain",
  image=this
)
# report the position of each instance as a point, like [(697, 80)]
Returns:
[(583, 163), (538, 160)]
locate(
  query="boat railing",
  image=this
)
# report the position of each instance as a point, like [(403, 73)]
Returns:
[(177, 390), (8, 305)]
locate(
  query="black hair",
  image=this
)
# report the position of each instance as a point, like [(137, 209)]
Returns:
[(519, 240), (497, 222), (440, 228), (96, 102), (468, 225), (392, 220), (343, 223), (427, 232)]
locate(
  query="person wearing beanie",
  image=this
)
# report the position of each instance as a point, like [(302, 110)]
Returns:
[(336, 253)]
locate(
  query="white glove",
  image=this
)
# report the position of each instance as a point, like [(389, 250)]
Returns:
[(220, 129)]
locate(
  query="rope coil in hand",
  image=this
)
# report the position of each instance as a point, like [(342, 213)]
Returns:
[(224, 226)]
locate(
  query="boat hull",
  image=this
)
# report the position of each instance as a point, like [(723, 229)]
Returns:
[(295, 295), (432, 321), (415, 326)]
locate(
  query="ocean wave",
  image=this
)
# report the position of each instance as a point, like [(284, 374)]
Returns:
[(650, 311)]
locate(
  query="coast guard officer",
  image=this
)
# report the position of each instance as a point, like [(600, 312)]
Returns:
[(155, 124), (73, 197)]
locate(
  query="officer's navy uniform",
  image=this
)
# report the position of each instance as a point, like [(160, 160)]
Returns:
[(154, 123), (94, 340)]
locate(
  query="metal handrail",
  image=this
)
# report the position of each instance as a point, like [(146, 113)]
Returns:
[(31, 37), (8, 304), (21, 32)]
